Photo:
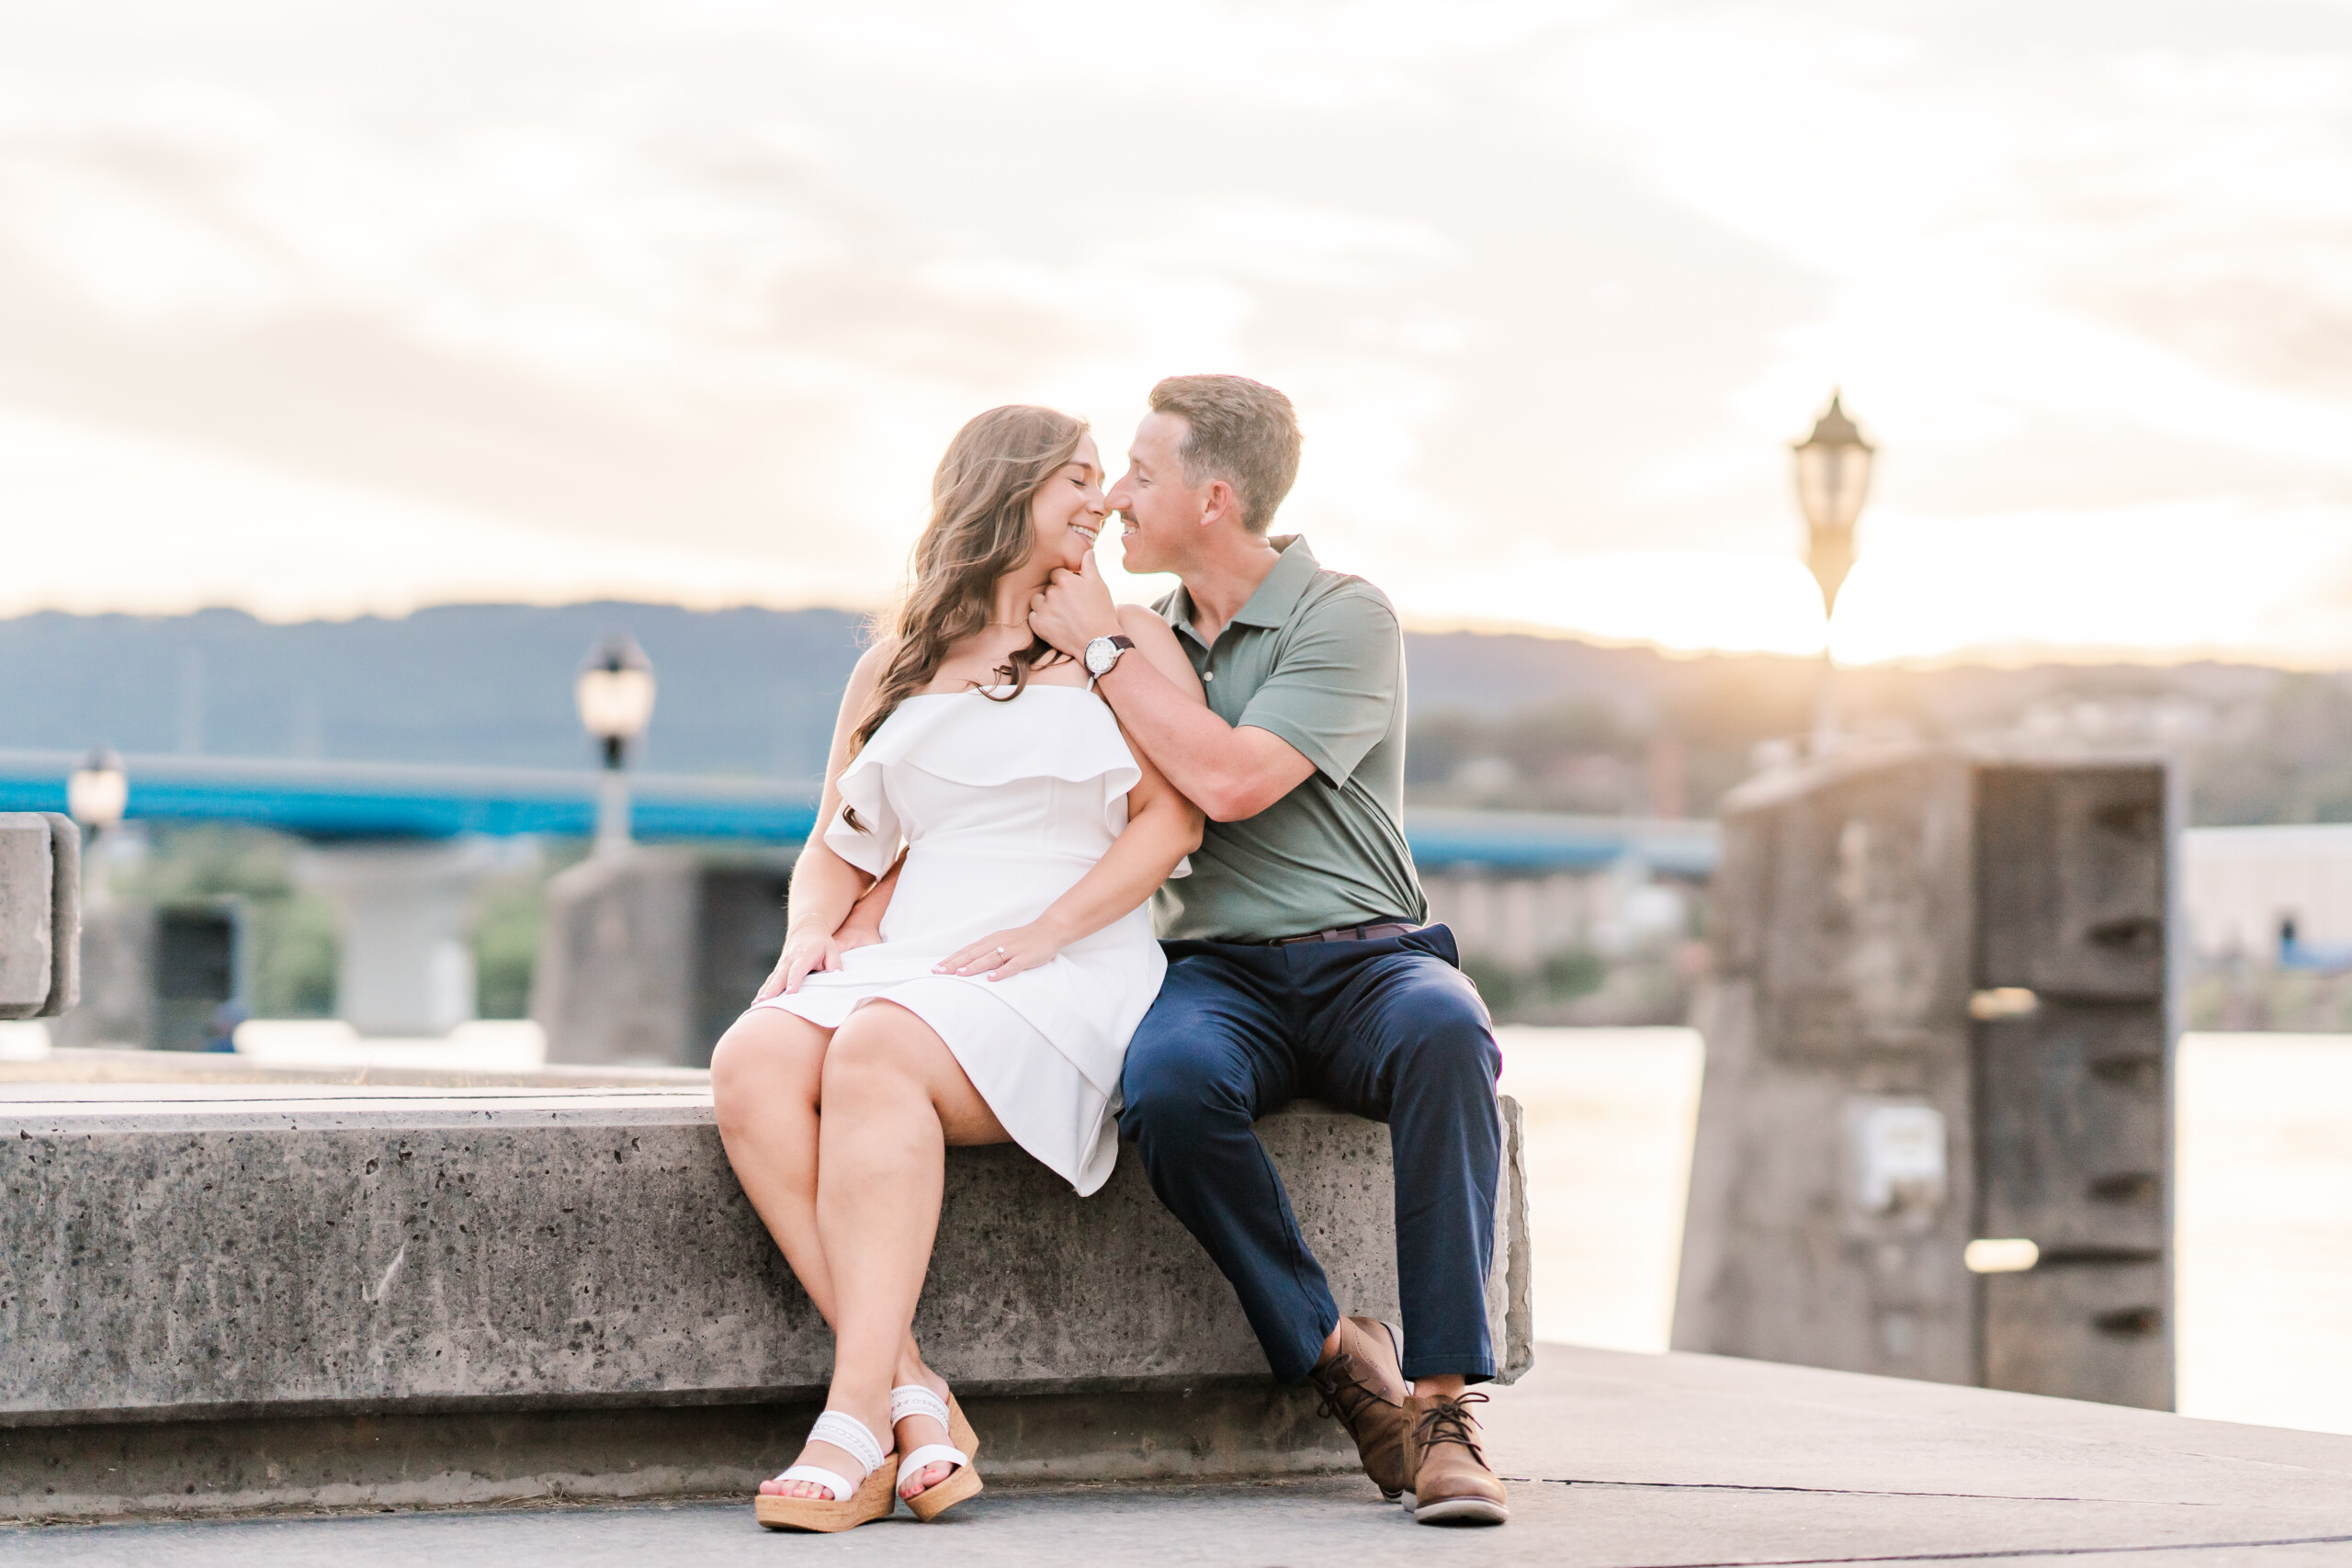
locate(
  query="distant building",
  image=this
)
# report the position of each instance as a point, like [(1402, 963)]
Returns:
[(2269, 896), (1544, 906)]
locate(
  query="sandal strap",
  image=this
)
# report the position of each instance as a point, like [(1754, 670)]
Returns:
[(840, 1486), (850, 1435), (913, 1399), (929, 1455)]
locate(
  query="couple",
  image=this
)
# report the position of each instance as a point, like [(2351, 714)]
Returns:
[(1018, 769)]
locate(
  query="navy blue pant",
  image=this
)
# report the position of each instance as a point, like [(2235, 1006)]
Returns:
[(1387, 1029)]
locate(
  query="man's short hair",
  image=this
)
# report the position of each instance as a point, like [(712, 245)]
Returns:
[(1240, 431)]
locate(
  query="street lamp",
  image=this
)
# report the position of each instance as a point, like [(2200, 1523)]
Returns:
[(1833, 481), (615, 692), (95, 795), (98, 791)]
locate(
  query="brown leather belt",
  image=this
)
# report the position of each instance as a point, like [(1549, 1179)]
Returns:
[(1349, 933)]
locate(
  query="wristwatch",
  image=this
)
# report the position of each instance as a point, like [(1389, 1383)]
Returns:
[(1104, 652)]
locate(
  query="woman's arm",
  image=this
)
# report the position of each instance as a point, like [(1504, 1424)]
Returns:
[(1163, 828), (824, 885), (861, 926)]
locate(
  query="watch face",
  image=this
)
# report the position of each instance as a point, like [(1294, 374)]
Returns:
[(1100, 656)]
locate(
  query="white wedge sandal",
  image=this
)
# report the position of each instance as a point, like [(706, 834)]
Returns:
[(853, 1502), (913, 1399)]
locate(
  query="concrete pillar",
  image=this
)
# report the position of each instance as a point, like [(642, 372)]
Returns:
[(646, 955), (1938, 1015), (407, 967), (40, 914)]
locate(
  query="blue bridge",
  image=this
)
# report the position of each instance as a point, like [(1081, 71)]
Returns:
[(346, 801)]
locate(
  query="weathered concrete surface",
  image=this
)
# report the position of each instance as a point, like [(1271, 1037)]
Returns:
[(72, 1065), (1867, 910), (40, 914), (502, 1456), (1671, 1462), (1842, 926), (647, 956), (340, 1252)]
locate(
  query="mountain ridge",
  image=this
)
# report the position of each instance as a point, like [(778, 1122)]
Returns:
[(753, 691)]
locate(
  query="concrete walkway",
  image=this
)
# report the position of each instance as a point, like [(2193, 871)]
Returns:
[(1617, 1461)]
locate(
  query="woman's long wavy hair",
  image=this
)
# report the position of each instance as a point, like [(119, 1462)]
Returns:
[(980, 530)]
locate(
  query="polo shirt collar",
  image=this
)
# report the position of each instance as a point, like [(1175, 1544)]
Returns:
[(1276, 597)]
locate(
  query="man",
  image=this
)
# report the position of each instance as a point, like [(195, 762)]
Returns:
[(1297, 961)]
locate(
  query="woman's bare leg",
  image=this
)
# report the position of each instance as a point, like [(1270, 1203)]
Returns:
[(766, 1075), (766, 1078), (894, 1098)]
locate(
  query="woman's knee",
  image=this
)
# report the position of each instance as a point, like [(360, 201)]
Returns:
[(764, 1054), (873, 1045)]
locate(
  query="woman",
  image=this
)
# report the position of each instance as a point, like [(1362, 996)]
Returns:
[(979, 990)]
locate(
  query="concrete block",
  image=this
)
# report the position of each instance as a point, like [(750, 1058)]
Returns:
[(336, 1254), (1973, 948), (154, 975), (25, 918), (118, 972), (1842, 937), (647, 956), (41, 921)]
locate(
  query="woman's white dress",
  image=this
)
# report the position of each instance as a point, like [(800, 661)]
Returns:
[(1002, 805)]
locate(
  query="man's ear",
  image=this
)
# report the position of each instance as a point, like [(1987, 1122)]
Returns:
[(1218, 502)]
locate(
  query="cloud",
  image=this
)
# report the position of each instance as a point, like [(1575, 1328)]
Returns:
[(1554, 286), (157, 528)]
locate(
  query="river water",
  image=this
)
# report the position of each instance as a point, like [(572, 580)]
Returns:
[(2264, 1212)]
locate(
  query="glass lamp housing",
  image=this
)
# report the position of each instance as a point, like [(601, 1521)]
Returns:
[(98, 791), (1833, 481), (615, 692)]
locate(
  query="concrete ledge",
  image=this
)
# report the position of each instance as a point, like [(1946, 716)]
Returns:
[(478, 1458), (107, 1065), (331, 1258)]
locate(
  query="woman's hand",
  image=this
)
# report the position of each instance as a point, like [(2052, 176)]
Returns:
[(803, 955), (1003, 955)]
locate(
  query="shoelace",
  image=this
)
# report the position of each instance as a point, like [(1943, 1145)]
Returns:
[(1448, 1422), (1343, 1382)]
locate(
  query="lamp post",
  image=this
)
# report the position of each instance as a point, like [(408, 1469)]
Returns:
[(95, 795), (615, 692), (1833, 481)]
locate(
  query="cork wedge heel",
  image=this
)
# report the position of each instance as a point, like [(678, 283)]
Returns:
[(853, 1502), (963, 1444)]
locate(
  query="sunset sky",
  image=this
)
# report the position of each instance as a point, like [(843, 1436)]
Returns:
[(319, 311)]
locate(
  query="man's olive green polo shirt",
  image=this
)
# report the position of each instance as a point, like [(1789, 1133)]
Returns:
[(1317, 657)]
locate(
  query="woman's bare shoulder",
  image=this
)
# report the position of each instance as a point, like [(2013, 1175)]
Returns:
[(866, 673)]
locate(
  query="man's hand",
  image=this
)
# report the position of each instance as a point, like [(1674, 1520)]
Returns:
[(1074, 608)]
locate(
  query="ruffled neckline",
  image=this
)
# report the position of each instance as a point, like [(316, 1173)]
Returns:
[(999, 686), (1074, 749)]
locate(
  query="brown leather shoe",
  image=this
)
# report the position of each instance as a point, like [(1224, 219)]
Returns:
[(1363, 1384), (1452, 1482)]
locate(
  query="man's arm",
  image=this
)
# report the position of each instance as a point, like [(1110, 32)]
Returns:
[(1229, 772)]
